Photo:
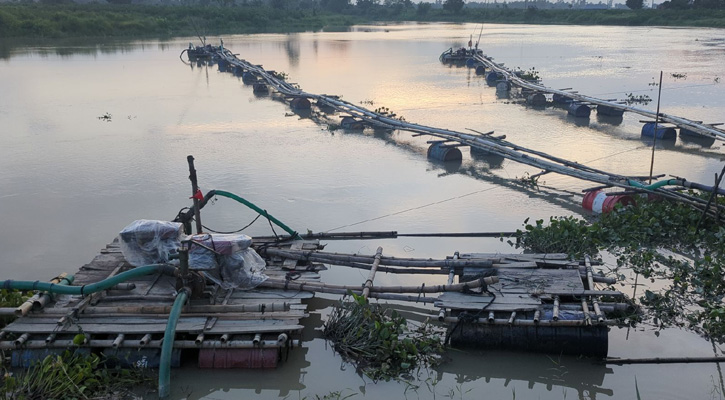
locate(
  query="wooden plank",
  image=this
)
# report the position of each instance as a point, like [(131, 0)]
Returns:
[(272, 294), (291, 263), (520, 257), (513, 302), (515, 264), (474, 299), (493, 307), (539, 281)]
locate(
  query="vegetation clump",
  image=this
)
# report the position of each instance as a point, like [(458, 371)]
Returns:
[(71, 376), (641, 99), (379, 341), (657, 240)]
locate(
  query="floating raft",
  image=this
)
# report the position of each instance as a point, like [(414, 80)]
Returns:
[(542, 303), (224, 329)]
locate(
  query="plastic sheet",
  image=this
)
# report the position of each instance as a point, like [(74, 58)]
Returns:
[(207, 250), (145, 242), (227, 260)]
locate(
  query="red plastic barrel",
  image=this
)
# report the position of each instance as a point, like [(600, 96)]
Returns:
[(598, 202)]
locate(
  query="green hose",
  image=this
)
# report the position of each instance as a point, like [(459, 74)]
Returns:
[(655, 185), (85, 289), (264, 213), (167, 345)]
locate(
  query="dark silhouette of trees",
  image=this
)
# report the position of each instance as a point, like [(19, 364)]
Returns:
[(635, 4), (454, 6)]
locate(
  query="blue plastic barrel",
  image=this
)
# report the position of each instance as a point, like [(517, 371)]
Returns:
[(248, 77), (238, 71), (492, 77), (693, 137), (503, 86), (561, 99), (470, 63), (351, 123), (579, 110), (663, 132), (222, 65), (480, 70), (536, 100), (609, 111), (300, 103), (260, 88), (442, 152)]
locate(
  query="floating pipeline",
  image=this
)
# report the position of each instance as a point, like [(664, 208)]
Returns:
[(695, 126), (495, 146)]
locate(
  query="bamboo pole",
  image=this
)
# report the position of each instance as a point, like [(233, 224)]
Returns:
[(178, 344), (391, 261), (451, 278), (664, 360), (323, 287), (385, 235), (119, 339), (373, 269), (590, 282), (261, 308), (39, 300), (145, 340)]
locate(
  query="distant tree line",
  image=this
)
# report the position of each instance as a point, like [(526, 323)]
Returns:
[(57, 18)]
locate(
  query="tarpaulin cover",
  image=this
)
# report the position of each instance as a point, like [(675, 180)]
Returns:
[(145, 242)]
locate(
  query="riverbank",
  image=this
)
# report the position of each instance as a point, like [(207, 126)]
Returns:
[(98, 20)]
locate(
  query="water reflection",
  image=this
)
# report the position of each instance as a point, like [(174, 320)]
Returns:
[(663, 144), (292, 48), (578, 121), (287, 378), (69, 47), (702, 141), (582, 375), (607, 119)]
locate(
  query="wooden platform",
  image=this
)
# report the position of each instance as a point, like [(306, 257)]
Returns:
[(135, 317)]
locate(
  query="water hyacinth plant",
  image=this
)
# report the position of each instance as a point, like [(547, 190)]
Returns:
[(380, 342)]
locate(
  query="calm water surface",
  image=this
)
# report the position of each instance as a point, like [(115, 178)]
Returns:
[(71, 180)]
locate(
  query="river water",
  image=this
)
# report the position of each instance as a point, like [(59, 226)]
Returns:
[(71, 178)]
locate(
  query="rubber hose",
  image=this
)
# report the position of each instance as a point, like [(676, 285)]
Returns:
[(259, 211), (167, 345), (655, 185), (90, 288)]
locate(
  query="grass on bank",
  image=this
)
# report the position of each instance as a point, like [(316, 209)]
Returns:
[(126, 20)]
